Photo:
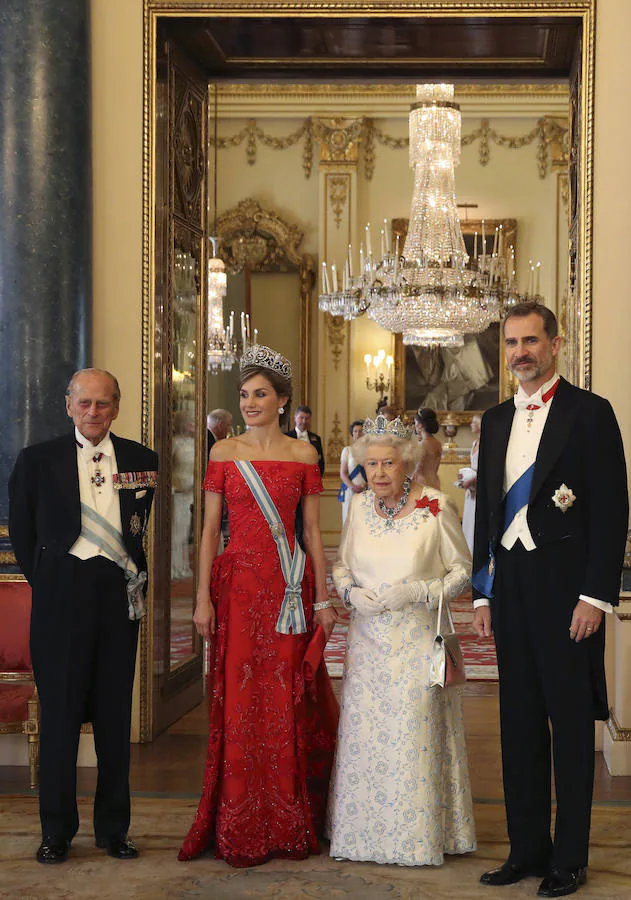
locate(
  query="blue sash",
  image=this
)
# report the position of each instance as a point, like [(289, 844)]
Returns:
[(358, 470), (517, 496), (292, 616)]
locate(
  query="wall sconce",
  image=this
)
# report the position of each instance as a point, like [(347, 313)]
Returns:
[(376, 378)]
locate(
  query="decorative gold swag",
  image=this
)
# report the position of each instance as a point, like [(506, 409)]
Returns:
[(338, 134)]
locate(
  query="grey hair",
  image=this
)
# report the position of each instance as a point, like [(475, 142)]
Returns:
[(116, 391), (218, 415), (409, 449)]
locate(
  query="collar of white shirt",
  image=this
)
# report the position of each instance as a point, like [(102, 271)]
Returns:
[(89, 450), (523, 400), (302, 435)]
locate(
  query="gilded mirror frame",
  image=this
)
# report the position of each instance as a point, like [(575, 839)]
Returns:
[(579, 305)]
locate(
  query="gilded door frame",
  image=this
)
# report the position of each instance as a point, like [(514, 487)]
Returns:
[(584, 10)]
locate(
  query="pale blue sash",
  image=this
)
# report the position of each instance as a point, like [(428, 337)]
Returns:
[(292, 615), (96, 529)]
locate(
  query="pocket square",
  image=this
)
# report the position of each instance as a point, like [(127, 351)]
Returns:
[(140, 494)]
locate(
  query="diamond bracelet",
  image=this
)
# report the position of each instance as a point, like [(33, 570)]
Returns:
[(326, 604)]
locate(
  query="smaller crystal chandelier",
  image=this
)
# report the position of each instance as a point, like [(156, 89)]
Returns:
[(222, 349)]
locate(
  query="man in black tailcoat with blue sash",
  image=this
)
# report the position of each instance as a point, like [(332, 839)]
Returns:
[(79, 506), (551, 523)]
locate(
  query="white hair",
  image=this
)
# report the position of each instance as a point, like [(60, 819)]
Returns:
[(218, 415), (408, 449)]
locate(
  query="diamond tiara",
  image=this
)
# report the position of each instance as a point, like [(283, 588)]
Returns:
[(380, 425), (260, 355)]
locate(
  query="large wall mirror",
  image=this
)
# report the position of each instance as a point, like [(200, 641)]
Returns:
[(303, 162)]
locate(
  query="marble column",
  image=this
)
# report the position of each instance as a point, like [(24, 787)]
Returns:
[(45, 220)]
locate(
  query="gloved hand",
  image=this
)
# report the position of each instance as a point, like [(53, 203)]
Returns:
[(365, 602), (401, 595)]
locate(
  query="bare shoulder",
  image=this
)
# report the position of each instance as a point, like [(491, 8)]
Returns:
[(225, 450), (301, 451)]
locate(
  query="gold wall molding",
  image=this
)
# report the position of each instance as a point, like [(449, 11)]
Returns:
[(338, 196), (340, 139), (7, 558), (335, 443), (336, 330), (616, 732)]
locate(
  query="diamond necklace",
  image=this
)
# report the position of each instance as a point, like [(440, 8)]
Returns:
[(391, 512)]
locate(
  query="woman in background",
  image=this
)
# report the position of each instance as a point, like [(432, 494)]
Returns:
[(469, 483), (352, 475), (431, 449)]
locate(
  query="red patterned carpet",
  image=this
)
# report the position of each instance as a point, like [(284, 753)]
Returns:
[(479, 655)]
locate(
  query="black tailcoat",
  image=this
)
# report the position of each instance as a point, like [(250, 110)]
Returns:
[(83, 645), (544, 675), (315, 441)]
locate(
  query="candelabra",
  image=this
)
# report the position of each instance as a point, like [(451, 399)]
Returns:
[(379, 381)]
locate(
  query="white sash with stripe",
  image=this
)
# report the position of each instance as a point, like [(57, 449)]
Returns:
[(292, 615), (99, 531)]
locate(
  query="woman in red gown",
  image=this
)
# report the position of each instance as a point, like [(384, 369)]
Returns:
[(272, 722)]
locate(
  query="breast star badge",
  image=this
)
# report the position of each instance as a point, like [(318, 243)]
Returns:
[(135, 524), (563, 497)]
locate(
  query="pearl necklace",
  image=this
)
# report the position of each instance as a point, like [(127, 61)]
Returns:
[(391, 512)]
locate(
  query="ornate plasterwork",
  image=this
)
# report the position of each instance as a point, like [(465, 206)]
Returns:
[(338, 196), (335, 443), (336, 333), (340, 139)]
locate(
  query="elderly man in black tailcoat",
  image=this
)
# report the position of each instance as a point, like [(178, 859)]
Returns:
[(79, 506)]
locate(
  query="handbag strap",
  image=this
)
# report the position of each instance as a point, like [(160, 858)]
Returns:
[(439, 618)]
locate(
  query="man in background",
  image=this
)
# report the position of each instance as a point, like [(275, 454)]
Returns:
[(302, 420), (219, 423)]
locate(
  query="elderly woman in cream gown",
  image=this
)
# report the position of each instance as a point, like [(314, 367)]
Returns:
[(400, 791)]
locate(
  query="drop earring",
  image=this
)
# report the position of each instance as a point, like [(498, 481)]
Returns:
[(281, 410)]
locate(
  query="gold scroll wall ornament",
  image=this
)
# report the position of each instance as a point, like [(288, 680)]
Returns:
[(340, 139), (336, 329), (335, 443), (338, 195)]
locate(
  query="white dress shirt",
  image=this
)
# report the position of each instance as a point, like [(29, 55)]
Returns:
[(521, 453), (101, 498), (302, 435)]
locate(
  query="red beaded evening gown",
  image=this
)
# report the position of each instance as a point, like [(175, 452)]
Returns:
[(272, 733)]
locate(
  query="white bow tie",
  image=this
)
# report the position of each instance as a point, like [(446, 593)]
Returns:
[(534, 402)]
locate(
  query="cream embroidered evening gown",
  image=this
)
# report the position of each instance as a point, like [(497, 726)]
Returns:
[(400, 790)]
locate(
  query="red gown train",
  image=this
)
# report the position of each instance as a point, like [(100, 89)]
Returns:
[(272, 726)]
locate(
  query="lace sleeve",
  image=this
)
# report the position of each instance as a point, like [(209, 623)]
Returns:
[(215, 477), (342, 575), (454, 553)]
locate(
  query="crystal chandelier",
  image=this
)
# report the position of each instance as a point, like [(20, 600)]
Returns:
[(222, 349), (435, 294)]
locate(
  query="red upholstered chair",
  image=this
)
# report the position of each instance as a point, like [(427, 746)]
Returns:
[(19, 707)]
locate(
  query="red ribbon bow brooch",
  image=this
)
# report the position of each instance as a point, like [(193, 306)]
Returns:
[(426, 503)]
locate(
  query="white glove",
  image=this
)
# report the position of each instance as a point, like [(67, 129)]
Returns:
[(365, 601), (401, 595)]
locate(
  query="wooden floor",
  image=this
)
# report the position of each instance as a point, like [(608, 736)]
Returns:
[(174, 762)]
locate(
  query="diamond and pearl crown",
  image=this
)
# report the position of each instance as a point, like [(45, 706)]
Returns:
[(260, 355), (380, 425)]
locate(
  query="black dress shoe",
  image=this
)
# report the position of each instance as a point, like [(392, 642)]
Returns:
[(52, 850), (561, 882), (120, 847), (509, 873)]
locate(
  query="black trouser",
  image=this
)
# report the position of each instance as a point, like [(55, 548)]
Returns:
[(84, 650), (545, 686)]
